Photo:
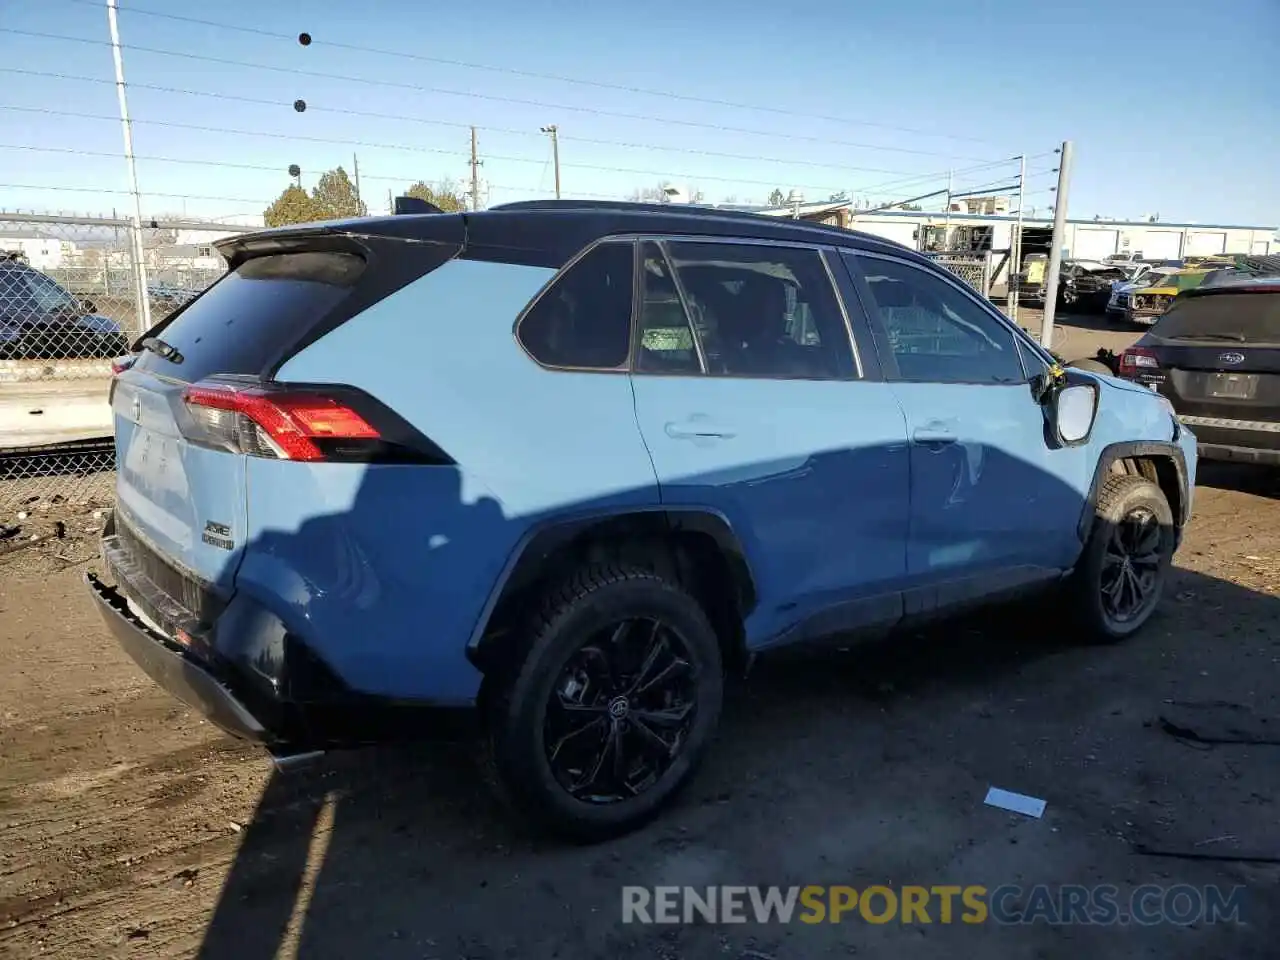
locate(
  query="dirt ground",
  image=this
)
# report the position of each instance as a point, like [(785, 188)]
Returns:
[(130, 828)]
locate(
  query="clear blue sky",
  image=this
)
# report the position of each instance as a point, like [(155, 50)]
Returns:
[(1171, 105)]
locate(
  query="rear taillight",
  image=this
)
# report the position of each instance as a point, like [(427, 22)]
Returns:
[(1135, 360), (280, 423), (120, 364)]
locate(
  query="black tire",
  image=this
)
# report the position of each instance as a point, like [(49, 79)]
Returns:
[(566, 638), (1132, 514)]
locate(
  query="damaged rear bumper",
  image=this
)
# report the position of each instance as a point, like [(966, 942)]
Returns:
[(176, 671)]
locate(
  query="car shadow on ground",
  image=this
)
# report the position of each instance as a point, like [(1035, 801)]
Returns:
[(1097, 321), (403, 852), (1261, 481)]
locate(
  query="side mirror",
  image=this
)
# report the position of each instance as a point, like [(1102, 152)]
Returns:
[(1074, 408)]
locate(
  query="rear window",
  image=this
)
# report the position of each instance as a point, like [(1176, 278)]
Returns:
[(1249, 317), (244, 321)]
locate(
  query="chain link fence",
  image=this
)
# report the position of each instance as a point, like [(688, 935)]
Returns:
[(72, 298), (973, 268)]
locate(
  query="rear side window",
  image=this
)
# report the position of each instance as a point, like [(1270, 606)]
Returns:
[(583, 321), (245, 321), (1244, 316)]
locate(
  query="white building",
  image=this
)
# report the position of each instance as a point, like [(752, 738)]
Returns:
[(1084, 240), (43, 253)]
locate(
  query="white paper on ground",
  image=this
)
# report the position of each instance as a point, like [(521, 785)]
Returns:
[(1017, 802)]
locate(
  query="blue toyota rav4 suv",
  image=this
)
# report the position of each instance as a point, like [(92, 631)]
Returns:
[(570, 464)]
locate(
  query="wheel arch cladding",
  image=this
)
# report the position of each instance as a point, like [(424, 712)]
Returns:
[(696, 547), (1162, 463)]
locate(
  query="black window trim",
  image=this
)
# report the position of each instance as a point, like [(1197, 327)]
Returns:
[(1019, 335), (637, 313), (698, 349), (822, 250), (825, 252), (552, 281)]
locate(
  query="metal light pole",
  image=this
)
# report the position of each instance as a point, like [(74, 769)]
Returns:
[(1055, 254), (1015, 266), (554, 131), (139, 262)]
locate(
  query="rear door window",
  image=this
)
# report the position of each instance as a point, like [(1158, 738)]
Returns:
[(1249, 317), (243, 323), (763, 310)]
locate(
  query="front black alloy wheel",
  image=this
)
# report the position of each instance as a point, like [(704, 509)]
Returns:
[(1131, 566), (612, 706), (1120, 576)]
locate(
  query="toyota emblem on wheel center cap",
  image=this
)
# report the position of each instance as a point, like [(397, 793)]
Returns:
[(619, 708), (1231, 357)]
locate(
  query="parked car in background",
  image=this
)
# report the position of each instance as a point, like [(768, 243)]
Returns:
[(41, 320), (1148, 303), (165, 298), (1122, 290), (1030, 279), (1216, 356), (567, 463), (55, 361), (1126, 257), (1085, 285)]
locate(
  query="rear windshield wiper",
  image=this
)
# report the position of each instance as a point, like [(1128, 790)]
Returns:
[(166, 350), (1238, 337)]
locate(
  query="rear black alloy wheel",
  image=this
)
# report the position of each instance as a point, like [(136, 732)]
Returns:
[(1131, 566), (613, 705), (621, 711)]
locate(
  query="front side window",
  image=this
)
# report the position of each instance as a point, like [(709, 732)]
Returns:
[(763, 311), (934, 331), (583, 320)]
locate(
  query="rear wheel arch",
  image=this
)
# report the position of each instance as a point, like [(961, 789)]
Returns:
[(696, 547)]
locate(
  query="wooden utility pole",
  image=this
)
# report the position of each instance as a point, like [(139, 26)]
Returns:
[(555, 152), (475, 173), (355, 172)]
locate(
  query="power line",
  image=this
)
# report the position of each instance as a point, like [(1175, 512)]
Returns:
[(543, 105), (634, 171), (531, 74), (409, 118), (128, 193)]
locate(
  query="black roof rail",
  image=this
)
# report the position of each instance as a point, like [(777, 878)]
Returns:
[(669, 209)]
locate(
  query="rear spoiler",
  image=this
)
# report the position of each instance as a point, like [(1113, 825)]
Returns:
[(405, 205), (348, 234)]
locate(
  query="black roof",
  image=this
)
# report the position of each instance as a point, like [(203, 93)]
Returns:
[(549, 232), (1244, 284)]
